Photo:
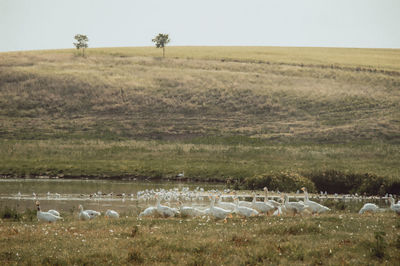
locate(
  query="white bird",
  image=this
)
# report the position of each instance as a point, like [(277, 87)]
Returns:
[(190, 211), (394, 207), (272, 202), (165, 211), (278, 211), (46, 216), (82, 214), (112, 214), (293, 207), (245, 211), (369, 208), (92, 214), (217, 212), (54, 212), (225, 205), (313, 206), (149, 212), (180, 175), (262, 207), (244, 203)]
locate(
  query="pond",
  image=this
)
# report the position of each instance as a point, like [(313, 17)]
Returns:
[(66, 195)]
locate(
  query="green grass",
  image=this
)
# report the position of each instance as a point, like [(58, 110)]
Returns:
[(199, 161), (337, 238)]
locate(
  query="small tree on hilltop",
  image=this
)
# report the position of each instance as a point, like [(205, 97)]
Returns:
[(81, 42), (161, 40)]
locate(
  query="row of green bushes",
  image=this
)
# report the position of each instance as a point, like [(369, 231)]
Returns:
[(332, 181)]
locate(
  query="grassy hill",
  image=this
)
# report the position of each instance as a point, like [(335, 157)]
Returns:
[(124, 94), (320, 107)]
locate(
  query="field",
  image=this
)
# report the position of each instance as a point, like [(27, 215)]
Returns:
[(216, 113), (338, 238), (327, 118)]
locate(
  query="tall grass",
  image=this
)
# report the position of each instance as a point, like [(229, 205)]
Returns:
[(56, 95)]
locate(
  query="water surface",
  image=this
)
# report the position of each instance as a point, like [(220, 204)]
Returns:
[(66, 195)]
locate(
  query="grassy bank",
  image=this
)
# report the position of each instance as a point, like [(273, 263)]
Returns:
[(202, 162), (339, 238)]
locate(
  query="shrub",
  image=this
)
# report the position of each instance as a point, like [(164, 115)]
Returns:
[(379, 247), (334, 181), (283, 181), (12, 214), (135, 256), (30, 215), (391, 186), (373, 184)]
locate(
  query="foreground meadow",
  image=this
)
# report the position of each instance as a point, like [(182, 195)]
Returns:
[(338, 238)]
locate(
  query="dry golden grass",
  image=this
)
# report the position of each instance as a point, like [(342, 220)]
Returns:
[(338, 238), (126, 92)]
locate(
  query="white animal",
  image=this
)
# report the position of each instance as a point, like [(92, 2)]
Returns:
[(149, 212), (394, 207), (217, 212), (165, 211), (112, 214), (278, 211), (245, 211), (92, 214), (293, 207), (262, 207), (82, 214), (369, 208), (46, 216), (313, 206), (244, 203), (180, 175), (191, 211), (272, 202), (54, 212), (225, 205)]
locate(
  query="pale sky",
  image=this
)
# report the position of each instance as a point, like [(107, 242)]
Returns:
[(52, 24)]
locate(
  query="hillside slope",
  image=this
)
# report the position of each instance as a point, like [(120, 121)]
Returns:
[(285, 94)]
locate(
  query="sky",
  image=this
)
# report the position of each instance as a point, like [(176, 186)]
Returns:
[(52, 24)]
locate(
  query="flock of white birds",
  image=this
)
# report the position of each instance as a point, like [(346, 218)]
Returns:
[(218, 208)]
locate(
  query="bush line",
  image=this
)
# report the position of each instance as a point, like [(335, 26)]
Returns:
[(332, 181)]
